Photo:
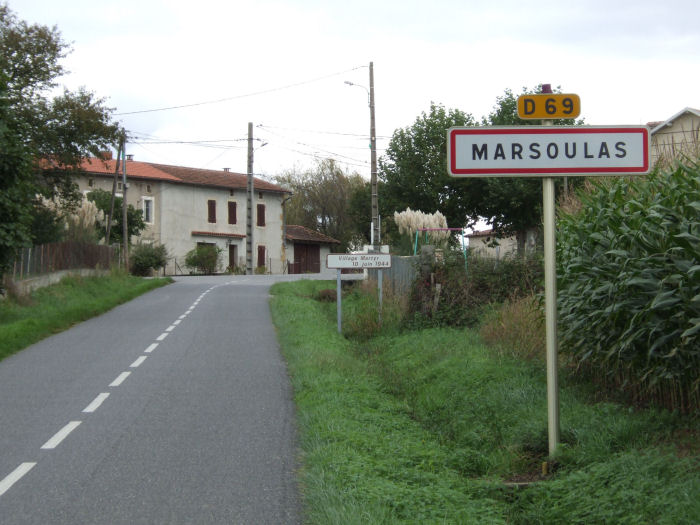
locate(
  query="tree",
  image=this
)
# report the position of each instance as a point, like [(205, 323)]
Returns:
[(414, 170), (134, 217), (37, 132), (513, 205), (16, 190), (321, 201)]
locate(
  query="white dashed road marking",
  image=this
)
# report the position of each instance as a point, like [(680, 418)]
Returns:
[(151, 348), (138, 362), (120, 379), (96, 403), (14, 476), (60, 435)]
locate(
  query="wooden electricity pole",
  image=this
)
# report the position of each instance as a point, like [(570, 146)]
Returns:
[(114, 191), (125, 225), (373, 159), (249, 205)]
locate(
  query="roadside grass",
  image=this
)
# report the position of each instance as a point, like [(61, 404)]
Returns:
[(365, 461), (426, 426), (54, 308)]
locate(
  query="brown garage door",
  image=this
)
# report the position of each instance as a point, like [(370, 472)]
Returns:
[(307, 258)]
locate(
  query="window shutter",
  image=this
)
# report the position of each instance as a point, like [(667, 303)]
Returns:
[(211, 208), (261, 215), (231, 212)]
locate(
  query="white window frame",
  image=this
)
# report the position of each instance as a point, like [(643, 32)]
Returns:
[(152, 208)]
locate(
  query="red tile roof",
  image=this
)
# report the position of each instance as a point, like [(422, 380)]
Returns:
[(180, 174), (302, 234)]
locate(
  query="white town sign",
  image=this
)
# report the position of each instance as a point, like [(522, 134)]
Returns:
[(358, 260), (532, 151)]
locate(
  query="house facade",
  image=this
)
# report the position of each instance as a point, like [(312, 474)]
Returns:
[(676, 136), (487, 244), (185, 207)]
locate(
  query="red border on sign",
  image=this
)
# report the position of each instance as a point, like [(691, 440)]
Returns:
[(533, 130)]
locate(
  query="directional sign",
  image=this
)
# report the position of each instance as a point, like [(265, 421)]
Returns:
[(529, 151), (358, 260), (549, 106)]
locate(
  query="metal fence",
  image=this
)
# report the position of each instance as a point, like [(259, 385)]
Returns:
[(399, 278), (57, 256)]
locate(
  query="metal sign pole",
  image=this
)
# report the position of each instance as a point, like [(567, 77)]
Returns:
[(339, 300), (550, 292), (380, 290)]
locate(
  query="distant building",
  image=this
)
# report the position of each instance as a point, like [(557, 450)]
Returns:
[(676, 136), (185, 207), (306, 250), (487, 244)]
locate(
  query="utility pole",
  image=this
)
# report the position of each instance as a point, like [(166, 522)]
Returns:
[(125, 226), (373, 159), (114, 190), (249, 206)]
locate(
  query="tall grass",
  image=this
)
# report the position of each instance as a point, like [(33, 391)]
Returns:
[(516, 327)]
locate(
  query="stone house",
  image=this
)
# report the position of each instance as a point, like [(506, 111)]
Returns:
[(185, 207)]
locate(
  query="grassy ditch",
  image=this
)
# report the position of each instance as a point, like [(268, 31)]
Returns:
[(429, 426), (49, 310)]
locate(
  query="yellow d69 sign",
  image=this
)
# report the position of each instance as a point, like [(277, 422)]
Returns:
[(549, 106)]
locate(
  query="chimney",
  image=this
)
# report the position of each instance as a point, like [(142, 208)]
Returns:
[(105, 155), (227, 170)]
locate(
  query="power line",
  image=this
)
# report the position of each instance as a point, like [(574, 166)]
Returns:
[(359, 135), (226, 99)]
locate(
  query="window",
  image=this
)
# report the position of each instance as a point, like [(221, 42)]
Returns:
[(211, 209), (261, 256), (260, 195), (148, 188), (91, 182), (231, 212), (261, 215), (148, 210)]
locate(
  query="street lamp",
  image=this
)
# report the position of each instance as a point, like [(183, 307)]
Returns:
[(373, 159)]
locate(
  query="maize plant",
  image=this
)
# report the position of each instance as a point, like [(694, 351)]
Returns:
[(629, 284)]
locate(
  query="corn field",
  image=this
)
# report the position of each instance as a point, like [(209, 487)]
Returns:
[(629, 286)]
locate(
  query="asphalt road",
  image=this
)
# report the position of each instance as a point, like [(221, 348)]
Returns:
[(173, 408)]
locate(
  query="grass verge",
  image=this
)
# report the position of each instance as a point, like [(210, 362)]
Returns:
[(426, 426), (54, 308)]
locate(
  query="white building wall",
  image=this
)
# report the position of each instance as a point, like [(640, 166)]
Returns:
[(681, 137)]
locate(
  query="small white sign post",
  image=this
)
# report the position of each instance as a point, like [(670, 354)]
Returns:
[(546, 151), (356, 261)]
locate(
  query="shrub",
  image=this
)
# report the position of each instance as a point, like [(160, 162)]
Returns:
[(629, 284), (204, 258), (147, 257), (327, 295), (465, 290)]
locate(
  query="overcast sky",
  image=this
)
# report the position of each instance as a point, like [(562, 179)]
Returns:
[(282, 65)]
